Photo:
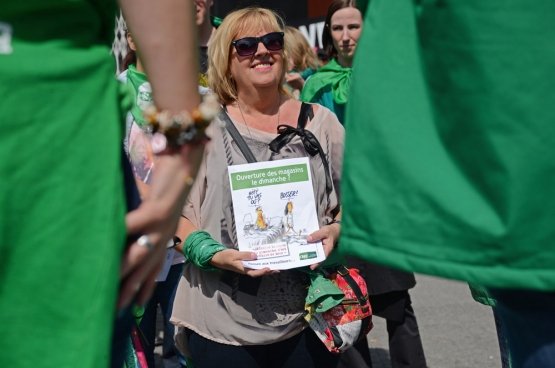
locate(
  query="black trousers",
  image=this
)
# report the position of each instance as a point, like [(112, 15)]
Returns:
[(405, 345), (303, 350)]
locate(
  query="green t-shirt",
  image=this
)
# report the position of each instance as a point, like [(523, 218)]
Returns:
[(449, 147), (62, 207)]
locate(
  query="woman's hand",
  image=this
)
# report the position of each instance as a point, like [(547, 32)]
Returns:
[(140, 265), (156, 217), (295, 81), (328, 235), (231, 259)]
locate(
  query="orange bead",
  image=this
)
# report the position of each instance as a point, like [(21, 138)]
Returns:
[(196, 115)]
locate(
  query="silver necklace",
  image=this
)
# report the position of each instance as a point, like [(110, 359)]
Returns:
[(245, 121)]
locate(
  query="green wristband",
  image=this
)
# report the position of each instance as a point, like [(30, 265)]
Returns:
[(199, 248)]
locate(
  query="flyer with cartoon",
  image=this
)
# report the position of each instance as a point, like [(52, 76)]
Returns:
[(273, 204)]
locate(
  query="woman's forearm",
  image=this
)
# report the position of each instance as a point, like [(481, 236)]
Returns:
[(165, 34), (199, 248), (184, 229)]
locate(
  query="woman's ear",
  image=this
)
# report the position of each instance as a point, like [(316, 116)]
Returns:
[(130, 41)]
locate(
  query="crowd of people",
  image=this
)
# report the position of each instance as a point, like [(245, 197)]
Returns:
[(130, 183)]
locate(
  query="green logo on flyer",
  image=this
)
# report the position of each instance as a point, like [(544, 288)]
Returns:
[(307, 255)]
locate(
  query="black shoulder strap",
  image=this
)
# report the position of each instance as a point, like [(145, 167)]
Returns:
[(232, 129), (310, 142), (361, 298), (307, 113), (287, 132)]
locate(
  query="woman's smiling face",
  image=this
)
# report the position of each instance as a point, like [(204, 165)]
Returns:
[(261, 70)]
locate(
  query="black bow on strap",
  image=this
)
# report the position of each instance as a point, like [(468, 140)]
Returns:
[(310, 142)]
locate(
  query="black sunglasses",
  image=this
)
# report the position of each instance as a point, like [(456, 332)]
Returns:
[(247, 46)]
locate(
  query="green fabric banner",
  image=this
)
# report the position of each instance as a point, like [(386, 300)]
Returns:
[(449, 163)]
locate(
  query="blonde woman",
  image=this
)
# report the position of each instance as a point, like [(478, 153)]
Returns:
[(228, 315), (303, 61)]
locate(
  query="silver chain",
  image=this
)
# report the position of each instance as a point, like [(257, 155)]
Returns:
[(245, 121)]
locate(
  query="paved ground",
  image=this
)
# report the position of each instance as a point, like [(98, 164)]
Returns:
[(456, 331)]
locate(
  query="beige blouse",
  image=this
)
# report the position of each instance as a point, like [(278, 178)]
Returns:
[(234, 309)]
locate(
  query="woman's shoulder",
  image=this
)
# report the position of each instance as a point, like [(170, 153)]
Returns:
[(323, 113), (320, 111), (293, 107), (324, 120)]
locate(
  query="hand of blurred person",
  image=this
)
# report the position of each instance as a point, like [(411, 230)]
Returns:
[(328, 235), (231, 259), (295, 80), (156, 217)]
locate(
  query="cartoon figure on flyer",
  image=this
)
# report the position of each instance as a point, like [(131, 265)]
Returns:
[(260, 220), (289, 218)]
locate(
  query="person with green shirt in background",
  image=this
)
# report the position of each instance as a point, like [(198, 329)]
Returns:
[(329, 86), (448, 155)]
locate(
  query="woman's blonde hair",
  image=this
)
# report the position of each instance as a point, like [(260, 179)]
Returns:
[(247, 21), (302, 55)]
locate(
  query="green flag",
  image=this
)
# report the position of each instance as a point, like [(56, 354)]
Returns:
[(449, 164), (141, 93)]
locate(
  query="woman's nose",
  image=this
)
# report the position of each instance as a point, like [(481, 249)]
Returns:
[(345, 35), (262, 50)]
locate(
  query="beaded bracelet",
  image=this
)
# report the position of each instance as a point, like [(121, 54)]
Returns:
[(176, 130)]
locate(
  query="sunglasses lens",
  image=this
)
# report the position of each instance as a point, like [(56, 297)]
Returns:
[(273, 41), (246, 46)]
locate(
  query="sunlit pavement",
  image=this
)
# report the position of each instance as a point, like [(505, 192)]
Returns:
[(456, 331)]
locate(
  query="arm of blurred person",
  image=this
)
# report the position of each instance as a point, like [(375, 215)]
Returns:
[(144, 189), (166, 37), (165, 34)]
